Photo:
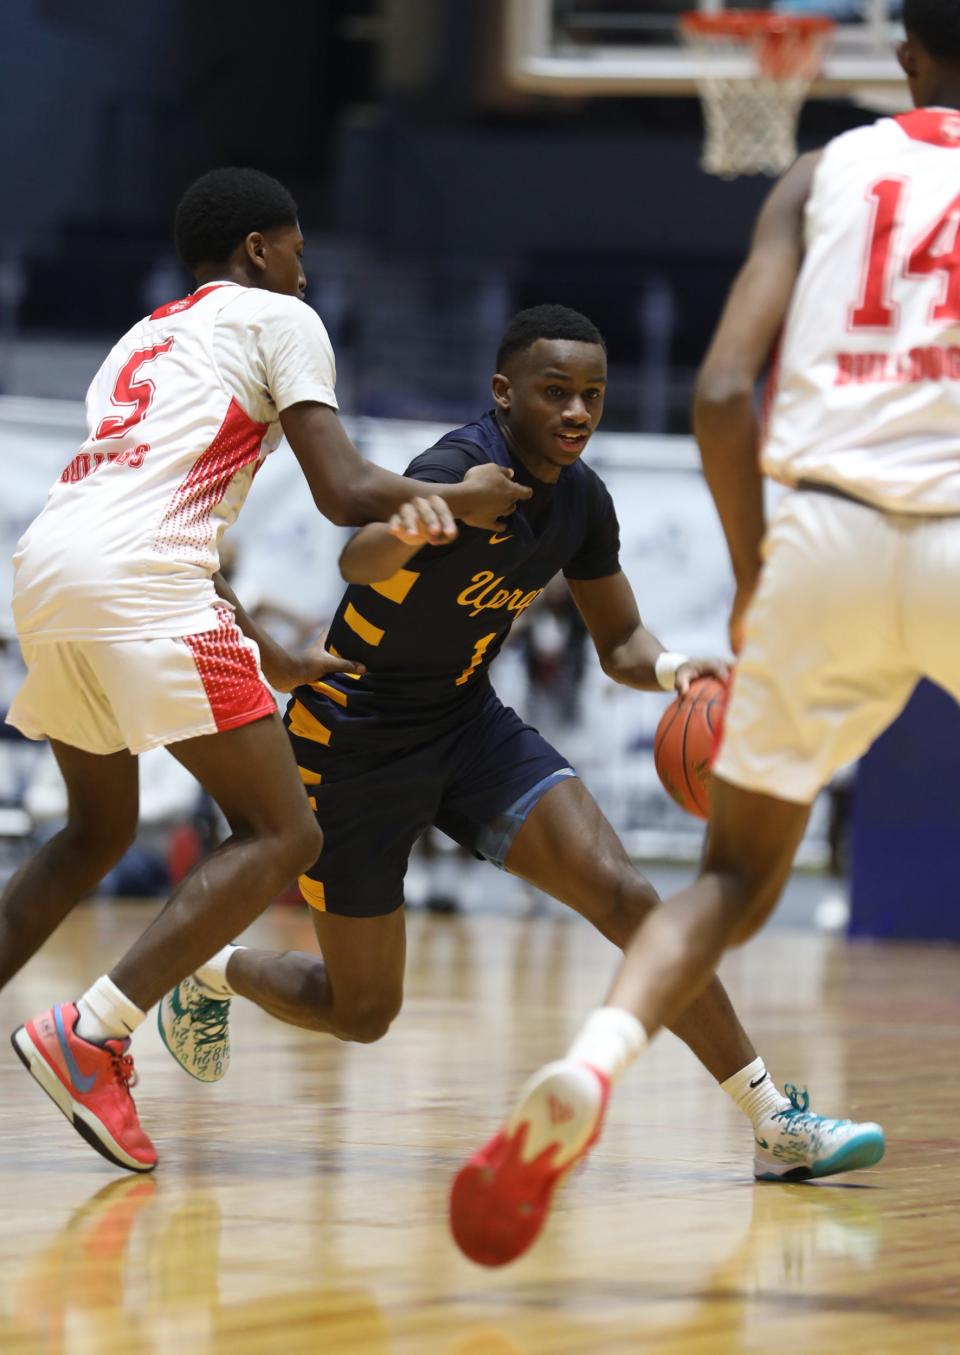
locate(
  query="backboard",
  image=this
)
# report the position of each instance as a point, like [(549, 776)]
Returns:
[(617, 47)]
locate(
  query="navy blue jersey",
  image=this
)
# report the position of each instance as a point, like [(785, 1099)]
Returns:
[(429, 634)]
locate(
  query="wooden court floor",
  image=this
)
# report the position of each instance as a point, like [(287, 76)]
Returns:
[(299, 1205)]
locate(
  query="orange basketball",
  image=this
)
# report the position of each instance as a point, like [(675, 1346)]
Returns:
[(686, 743)]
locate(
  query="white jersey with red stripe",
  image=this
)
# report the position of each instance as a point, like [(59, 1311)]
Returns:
[(180, 417), (868, 380)]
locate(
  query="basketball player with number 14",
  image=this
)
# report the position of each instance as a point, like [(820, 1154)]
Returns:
[(856, 259)]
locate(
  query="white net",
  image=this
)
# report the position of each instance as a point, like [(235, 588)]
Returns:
[(753, 73)]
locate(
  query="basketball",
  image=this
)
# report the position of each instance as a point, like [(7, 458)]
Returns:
[(686, 742)]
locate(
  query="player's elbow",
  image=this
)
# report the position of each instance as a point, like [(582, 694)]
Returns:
[(721, 387), (350, 504), (351, 567), (354, 568), (332, 502), (356, 511), (359, 498), (610, 667), (616, 665)]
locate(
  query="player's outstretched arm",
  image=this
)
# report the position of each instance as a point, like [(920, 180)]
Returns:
[(724, 416), (627, 651), (351, 491), (378, 550)]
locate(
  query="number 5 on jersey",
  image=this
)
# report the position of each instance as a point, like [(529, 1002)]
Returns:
[(133, 390)]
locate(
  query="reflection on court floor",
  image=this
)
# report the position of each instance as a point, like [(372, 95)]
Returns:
[(300, 1204)]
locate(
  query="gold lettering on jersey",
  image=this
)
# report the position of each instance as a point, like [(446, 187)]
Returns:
[(485, 595)]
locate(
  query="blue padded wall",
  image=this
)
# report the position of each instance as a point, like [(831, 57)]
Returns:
[(905, 848)]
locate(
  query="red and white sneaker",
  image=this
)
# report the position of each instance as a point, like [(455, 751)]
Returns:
[(90, 1083), (501, 1198)]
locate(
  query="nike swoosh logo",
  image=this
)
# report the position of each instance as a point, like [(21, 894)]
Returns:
[(762, 1142), (496, 540), (82, 1084), (758, 1081)]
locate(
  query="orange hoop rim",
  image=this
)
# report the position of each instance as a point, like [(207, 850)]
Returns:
[(746, 23)]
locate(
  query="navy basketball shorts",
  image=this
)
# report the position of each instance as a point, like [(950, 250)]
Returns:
[(476, 783)]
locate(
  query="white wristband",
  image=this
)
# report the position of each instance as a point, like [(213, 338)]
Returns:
[(666, 668)]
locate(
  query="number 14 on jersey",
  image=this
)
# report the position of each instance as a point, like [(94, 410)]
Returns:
[(936, 250)]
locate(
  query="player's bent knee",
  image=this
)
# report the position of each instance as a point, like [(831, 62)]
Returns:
[(304, 844), (637, 896), (752, 900), (629, 898), (369, 1022), (749, 923)]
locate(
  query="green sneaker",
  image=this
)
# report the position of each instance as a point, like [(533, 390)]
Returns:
[(194, 1025)]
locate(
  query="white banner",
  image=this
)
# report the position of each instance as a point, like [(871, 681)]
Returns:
[(672, 552)]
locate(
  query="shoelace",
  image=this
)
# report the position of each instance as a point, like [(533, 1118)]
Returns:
[(798, 1112), (124, 1070), (208, 1019)]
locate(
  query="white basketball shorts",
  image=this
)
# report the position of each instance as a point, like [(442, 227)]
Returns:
[(103, 696), (854, 606)]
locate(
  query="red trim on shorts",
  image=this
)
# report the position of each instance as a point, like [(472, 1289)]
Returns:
[(230, 676), (185, 524)]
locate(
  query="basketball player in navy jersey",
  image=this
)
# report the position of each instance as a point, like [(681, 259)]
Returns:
[(422, 738)]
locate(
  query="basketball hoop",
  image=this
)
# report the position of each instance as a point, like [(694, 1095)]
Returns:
[(754, 69)]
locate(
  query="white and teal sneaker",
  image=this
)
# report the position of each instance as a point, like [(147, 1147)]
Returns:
[(194, 1025), (793, 1144)]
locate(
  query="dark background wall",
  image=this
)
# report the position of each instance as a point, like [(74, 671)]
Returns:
[(429, 193)]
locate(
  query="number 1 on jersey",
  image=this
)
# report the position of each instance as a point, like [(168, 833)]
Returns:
[(875, 309), (476, 658)]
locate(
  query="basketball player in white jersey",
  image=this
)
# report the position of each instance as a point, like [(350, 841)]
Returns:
[(841, 606), (132, 640)]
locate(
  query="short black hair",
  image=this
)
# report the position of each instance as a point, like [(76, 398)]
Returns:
[(546, 322), (936, 26), (221, 208)]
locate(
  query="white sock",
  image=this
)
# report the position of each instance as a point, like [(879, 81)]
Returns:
[(610, 1041), (106, 1013), (213, 975), (755, 1092)]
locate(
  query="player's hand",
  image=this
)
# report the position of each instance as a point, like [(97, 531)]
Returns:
[(285, 671), (741, 603), (697, 668), (423, 522), (494, 496)]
